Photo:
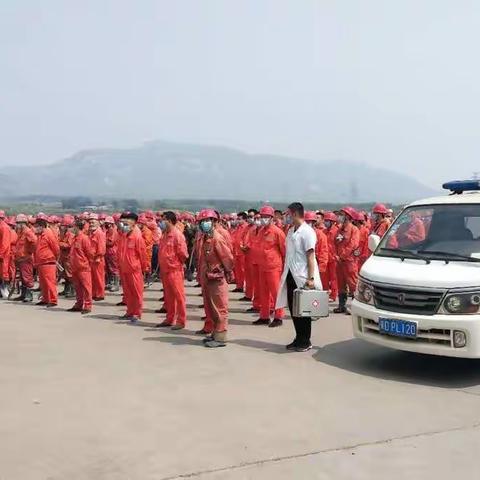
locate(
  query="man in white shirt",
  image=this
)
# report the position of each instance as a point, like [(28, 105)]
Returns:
[(300, 270)]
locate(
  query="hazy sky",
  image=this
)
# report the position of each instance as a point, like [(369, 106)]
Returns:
[(389, 83)]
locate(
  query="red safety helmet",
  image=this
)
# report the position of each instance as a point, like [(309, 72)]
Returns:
[(142, 219), (21, 218), (116, 217), (267, 211), (10, 221), (102, 216), (310, 216), (330, 216), (41, 216), (351, 212), (380, 208), (92, 216), (109, 220), (68, 221), (207, 213)]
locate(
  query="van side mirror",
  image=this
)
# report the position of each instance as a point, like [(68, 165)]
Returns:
[(373, 242)]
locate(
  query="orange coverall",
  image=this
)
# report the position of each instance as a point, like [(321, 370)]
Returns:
[(270, 264), (45, 259), (132, 261), (99, 247), (4, 250), (215, 260), (81, 259), (26, 243), (347, 268), (172, 253)]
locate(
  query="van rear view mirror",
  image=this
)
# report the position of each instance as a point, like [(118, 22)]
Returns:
[(373, 242)]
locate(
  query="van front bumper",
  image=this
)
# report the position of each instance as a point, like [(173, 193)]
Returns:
[(435, 333)]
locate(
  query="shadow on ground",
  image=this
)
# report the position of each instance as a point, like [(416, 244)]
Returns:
[(378, 362)]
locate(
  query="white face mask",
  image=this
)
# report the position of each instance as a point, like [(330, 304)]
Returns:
[(265, 221), (258, 222)]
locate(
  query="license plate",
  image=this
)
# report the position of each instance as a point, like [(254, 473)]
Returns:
[(398, 328)]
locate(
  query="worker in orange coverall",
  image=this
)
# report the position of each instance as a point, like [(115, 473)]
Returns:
[(66, 238), (329, 278), (381, 221), (270, 264), (111, 254), (132, 261), (238, 235), (4, 254), (24, 250), (215, 269), (45, 260), (81, 261), (99, 248), (346, 242), (172, 254), (321, 247)]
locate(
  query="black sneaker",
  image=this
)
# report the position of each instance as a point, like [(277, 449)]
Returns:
[(340, 310), (121, 304), (261, 321), (237, 290), (304, 348), (245, 299), (292, 346), (276, 323), (251, 310)]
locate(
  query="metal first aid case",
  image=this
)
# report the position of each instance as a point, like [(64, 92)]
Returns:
[(310, 303)]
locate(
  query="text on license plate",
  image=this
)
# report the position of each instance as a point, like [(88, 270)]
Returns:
[(399, 328)]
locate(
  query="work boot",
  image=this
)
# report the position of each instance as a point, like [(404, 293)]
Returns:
[(261, 321), (251, 310), (276, 323), (163, 324), (121, 304), (21, 297), (342, 302), (28, 295), (214, 344), (237, 290), (161, 310), (74, 309)]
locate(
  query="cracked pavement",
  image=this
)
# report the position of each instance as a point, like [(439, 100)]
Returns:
[(94, 398)]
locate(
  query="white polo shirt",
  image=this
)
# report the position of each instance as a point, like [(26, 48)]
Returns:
[(298, 243)]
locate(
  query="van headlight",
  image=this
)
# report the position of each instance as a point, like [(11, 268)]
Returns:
[(461, 303), (364, 293)]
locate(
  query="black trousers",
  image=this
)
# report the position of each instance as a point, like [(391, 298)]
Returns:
[(303, 325)]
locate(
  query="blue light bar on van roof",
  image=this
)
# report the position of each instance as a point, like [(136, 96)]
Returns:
[(460, 186)]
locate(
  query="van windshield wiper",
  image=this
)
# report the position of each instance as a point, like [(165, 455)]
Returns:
[(450, 254), (403, 254)]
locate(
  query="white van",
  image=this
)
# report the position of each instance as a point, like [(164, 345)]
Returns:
[(420, 290)]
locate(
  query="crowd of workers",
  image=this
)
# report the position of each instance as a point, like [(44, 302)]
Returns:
[(93, 253)]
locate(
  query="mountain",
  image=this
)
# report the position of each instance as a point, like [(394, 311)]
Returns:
[(160, 169)]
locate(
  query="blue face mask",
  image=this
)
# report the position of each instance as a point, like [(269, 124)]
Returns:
[(288, 220), (162, 225), (328, 223), (206, 226)]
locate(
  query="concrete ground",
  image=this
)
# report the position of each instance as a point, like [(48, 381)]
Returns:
[(87, 398)]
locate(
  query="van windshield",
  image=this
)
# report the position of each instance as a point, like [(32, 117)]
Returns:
[(436, 232)]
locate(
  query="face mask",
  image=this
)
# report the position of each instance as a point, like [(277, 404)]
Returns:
[(124, 227), (258, 222), (265, 221), (206, 226), (288, 220), (328, 223), (250, 220), (162, 225)]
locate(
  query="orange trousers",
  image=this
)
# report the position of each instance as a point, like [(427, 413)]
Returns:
[(174, 294), (257, 295), (83, 289), (248, 277), (98, 279), (347, 275), (240, 270), (132, 284), (26, 273), (329, 280), (215, 296), (47, 277), (269, 282)]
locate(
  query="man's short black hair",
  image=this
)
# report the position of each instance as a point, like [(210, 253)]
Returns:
[(41, 223), (242, 215), (130, 215), (170, 216), (278, 212), (297, 207), (252, 210)]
